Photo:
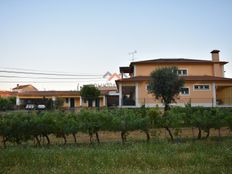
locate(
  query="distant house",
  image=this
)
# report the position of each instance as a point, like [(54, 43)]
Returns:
[(72, 99), (205, 84), (7, 93), (23, 88)]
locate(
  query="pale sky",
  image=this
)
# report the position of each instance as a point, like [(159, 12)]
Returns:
[(95, 36)]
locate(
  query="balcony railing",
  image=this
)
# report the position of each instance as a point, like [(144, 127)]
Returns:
[(128, 102)]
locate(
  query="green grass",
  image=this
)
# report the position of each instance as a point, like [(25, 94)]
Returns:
[(114, 158)]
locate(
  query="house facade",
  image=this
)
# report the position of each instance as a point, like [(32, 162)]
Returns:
[(72, 99), (205, 84)]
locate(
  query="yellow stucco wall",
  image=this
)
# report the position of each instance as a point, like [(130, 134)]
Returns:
[(224, 95), (67, 105), (193, 69), (218, 70), (195, 96), (77, 102)]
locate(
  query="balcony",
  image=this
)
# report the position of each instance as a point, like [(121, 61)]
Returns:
[(128, 96)]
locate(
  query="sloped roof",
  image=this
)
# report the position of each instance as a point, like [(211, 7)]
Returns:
[(58, 93), (7, 93), (49, 93), (133, 79), (186, 78), (206, 78), (24, 86), (174, 60)]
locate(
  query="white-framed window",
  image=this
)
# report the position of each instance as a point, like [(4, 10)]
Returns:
[(182, 72), (184, 91), (203, 87)]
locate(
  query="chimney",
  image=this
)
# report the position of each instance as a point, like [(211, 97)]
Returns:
[(215, 55)]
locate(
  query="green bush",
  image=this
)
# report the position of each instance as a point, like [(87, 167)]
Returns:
[(7, 103), (18, 127)]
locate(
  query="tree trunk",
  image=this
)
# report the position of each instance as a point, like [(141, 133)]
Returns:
[(43, 139), (74, 136), (64, 137), (193, 132), (48, 140), (199, 134), (4, 139), (37, 140), (97, 137), (170, 133), (166, 107), (90, 138), (123, 137), (148, 136), (18, 141), (208, 132), (219, 132)]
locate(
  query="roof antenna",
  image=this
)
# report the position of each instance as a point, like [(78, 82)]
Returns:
[(132, 54)]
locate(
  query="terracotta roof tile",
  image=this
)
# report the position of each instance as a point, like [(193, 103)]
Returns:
[(58, 93), (206, 78), (49, 93), (186, 78), (24, 86), (7, 93), (175, 60)]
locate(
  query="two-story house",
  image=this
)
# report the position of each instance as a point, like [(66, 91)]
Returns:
[(205, 84)]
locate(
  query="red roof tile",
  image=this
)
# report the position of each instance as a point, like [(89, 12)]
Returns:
[(24, 86), (174, 60), (186, 78), (49, 93), (58, 93), (7, 93)]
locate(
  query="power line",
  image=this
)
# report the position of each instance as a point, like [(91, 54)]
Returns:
[(50, 74), (26, 69), (51, 78), (36, 70), (46, 82)]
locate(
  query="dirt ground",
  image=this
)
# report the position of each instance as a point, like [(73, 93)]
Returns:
[(106, 136)]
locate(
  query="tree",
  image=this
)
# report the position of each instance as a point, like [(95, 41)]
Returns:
[(89, 93), (7, 103), (165, 84), (59, 102)]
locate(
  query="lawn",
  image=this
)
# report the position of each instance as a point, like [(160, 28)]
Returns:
[(158, 156)]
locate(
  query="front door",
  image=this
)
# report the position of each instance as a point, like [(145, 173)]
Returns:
[(97, 103), (72, 103)]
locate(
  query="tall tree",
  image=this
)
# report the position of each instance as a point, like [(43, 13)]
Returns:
[(90, 93), (165, 84)]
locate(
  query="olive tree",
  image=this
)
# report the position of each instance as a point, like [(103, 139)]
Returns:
[(165, 85)]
